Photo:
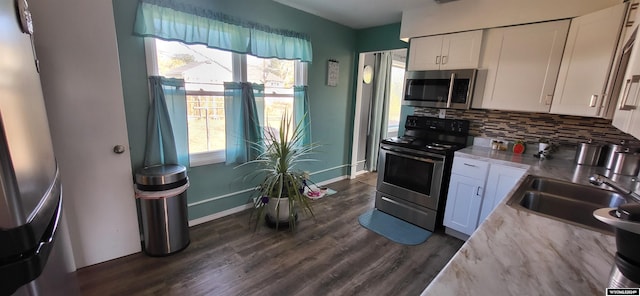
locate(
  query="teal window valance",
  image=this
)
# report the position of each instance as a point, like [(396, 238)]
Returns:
[(176, 21)]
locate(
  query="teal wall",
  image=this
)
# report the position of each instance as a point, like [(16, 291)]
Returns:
[(331, 107), (380, 38)]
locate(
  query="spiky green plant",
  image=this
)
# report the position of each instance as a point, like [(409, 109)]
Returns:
[(284, 151)]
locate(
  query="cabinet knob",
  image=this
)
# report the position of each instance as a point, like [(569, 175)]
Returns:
[(437, 59), (478, 191), (118, 149)]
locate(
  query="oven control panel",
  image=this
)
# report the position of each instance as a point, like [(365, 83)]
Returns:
[(437, 124)]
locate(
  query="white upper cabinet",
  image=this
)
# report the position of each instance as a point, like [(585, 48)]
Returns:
[(425, 53), (634, 122), (627, 113), (586, 63), (450, 51), (521, 65)]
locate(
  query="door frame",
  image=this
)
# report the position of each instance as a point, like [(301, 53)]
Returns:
[(356, 139)]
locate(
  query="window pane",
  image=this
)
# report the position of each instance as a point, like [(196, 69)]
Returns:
[(274, 108), (206, 123), (202, 68), (204, 71), (395, 98), (278, 77)]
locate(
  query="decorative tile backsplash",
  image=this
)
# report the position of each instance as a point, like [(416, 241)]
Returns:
[(531, 127)]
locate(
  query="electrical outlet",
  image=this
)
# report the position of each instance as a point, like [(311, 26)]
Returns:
[(443, 113)]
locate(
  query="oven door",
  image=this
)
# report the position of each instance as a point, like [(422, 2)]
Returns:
[(411, 175)]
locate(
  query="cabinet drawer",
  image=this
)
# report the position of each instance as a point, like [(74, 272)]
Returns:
[(470, 167)]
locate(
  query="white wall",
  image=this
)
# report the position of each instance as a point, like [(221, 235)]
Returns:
[(464, 15), (76, 43)]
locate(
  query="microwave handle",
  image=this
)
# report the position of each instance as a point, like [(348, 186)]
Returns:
[(450, 97)]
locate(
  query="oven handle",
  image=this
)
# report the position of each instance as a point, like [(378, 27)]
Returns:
[(414, 156)]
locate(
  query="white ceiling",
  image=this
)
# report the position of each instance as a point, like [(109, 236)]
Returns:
[(357, 14)]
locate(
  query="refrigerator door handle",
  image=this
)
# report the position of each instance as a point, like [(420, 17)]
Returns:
[(46, 243), (21, 272)]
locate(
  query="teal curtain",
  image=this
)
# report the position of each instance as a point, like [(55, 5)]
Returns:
[(167, 138), (243, 129), (378, 115), (301, 111), (175, 20)]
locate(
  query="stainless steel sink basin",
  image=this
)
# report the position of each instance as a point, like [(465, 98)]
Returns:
[(565, 201)]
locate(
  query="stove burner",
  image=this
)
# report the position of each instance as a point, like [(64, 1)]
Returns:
[(401, 140), (444, 146), (436, 148), (440, 146)]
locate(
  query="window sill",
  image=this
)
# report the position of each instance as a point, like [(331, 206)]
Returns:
[(206, 158)]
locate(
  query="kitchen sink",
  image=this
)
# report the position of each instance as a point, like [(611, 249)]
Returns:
[(565, 201)]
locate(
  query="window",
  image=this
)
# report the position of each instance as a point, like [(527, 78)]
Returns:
[(395, 92), (204, 71), (278, 78)]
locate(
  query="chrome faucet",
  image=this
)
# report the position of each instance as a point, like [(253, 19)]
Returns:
[(598, 180)]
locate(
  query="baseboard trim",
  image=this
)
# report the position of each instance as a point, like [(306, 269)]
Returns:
[(457, 234), (336, 179), (241, 208), (218, 215)]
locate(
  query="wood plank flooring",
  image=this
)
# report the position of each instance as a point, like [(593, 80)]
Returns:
[(332, 256)]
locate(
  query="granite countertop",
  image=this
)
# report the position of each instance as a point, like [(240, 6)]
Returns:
[(515, 252)]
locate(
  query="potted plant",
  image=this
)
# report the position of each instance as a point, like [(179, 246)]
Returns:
[(281, 192)]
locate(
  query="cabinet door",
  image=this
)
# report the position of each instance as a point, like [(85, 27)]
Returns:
[(586, 63), (424, 53), (630, 103), (463, 203), (627, 116), (500, 181), (634, 126), (522, 64), (461, 50)]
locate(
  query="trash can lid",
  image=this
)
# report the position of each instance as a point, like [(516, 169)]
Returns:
[(161, 174)]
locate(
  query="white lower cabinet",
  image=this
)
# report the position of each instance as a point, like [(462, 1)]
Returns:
[(476, 187), (463, 203), (464, 199), (500, 181)]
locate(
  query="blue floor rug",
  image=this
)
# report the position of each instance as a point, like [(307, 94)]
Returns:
[(393, 228)]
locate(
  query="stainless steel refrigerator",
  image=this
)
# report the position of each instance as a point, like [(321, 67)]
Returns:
[(33, 259)]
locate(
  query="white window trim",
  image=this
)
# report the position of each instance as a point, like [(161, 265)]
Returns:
[(206, 158), (301, 69), (151, 56)]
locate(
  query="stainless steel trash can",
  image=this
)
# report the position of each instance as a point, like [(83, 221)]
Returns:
[(162, 197)]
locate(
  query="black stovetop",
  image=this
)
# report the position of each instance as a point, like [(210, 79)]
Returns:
[(435, 135)]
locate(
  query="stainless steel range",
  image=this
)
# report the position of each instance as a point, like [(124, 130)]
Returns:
[(414, 170)]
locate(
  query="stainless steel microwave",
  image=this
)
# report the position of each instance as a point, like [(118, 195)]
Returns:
[(439, 88)]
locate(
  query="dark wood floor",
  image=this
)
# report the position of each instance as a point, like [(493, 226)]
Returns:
[(333, 256)]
